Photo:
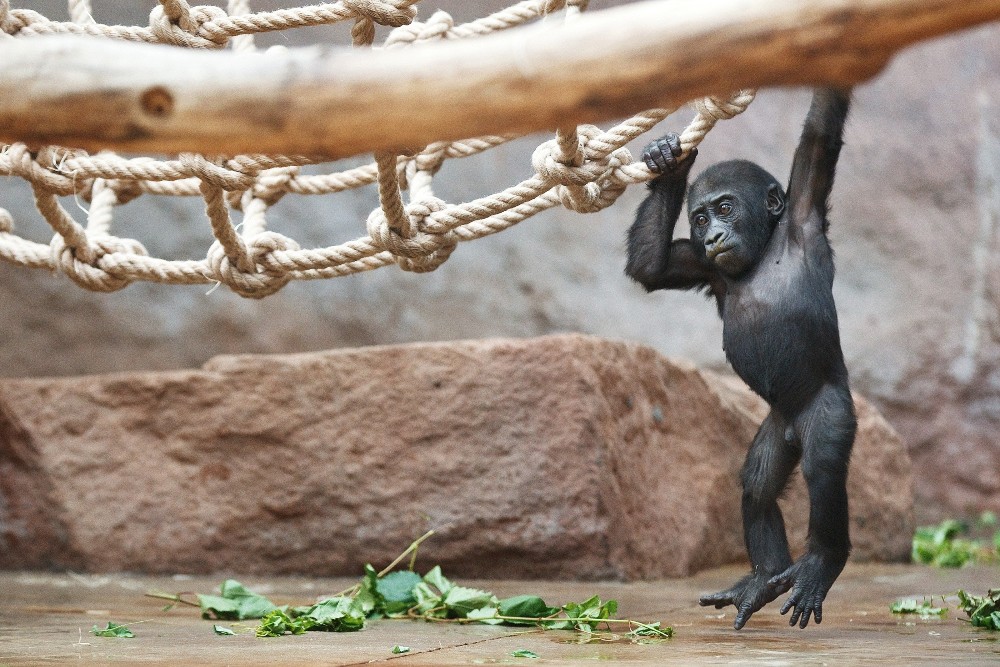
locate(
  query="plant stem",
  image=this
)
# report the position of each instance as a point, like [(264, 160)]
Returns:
[(177, 599), (412, 548), (353, 590), (536, 619)]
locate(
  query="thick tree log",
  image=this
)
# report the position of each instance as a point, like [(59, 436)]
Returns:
[(335, 102)]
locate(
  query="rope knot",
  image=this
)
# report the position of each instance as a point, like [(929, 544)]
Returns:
[(384, 12), (216, 174), (414, 249), (265, 277), (12, 21), (584, 183), (272, 184), (89, 274), (193, 30)]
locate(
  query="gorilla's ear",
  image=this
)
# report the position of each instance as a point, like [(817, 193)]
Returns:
[(775, 200)]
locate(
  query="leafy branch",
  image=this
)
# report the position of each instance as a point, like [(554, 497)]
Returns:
[(983, 612), (404, 594)]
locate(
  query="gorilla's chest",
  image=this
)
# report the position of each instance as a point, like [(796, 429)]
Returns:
[(780, 327)]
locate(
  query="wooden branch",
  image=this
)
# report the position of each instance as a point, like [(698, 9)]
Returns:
[(96, 93)]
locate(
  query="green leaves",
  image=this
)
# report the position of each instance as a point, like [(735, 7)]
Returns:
[(523, 653), (113, 630), (338, 614), (397, 649), (525, 606), (277, 623), (584, 616), (222, 630), (396, 591), (947, 544), (651, 631), (983, 612), (460, 601), (400, 594), (924, 608), (235, 604), (437, 597)]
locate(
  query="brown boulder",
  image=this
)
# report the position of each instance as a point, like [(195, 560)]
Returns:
[(564, 456)]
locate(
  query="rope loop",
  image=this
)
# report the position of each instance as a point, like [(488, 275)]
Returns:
[(267, 276), (423, 251), (384, 12), (436, 27), (724, 108), (25, 165), (189, 34), (590, 186), (90, 275)]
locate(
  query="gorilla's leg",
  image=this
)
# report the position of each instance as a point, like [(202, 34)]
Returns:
[(826, 429), (771, 459)]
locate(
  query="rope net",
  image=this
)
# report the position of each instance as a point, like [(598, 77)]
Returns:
[(583, 168)]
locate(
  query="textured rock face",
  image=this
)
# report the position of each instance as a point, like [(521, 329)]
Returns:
[(915, 223), (564, 456)]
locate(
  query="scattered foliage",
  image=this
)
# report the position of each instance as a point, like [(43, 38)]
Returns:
[(524, 653), (924, 608), (113, 630), (983, 612), (954, 543), (222, 630), (235, 604), (397, 649), (406, 594), (277, 623)]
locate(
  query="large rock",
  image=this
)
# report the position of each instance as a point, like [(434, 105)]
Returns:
[(564, 456)]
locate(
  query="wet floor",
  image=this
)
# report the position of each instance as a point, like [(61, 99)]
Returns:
[(45, 619)]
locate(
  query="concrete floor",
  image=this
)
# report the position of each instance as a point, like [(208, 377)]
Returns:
[(45, 619)]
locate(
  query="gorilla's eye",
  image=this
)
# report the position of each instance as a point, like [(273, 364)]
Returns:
[(700, 220), (725, 208)]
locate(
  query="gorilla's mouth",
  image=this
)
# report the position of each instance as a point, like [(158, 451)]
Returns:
[(717, 251)]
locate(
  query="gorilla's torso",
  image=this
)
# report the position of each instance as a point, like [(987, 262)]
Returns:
[(780, 322)]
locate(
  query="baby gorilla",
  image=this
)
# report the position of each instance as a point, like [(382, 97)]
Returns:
[(765, 257)]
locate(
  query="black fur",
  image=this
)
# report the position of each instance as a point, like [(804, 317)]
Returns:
[(765, 257)]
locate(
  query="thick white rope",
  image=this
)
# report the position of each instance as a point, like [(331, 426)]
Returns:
[(583, 168)]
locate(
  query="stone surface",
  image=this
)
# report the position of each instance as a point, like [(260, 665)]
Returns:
[(914, 226), (559, 457), (44, 619)]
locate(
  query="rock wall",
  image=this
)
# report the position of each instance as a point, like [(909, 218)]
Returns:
[(563, 456), (915, 215)]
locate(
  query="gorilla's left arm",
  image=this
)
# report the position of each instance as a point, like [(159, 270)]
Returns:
[(815, 161)]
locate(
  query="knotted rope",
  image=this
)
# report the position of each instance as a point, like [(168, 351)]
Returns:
[(582, 168)]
